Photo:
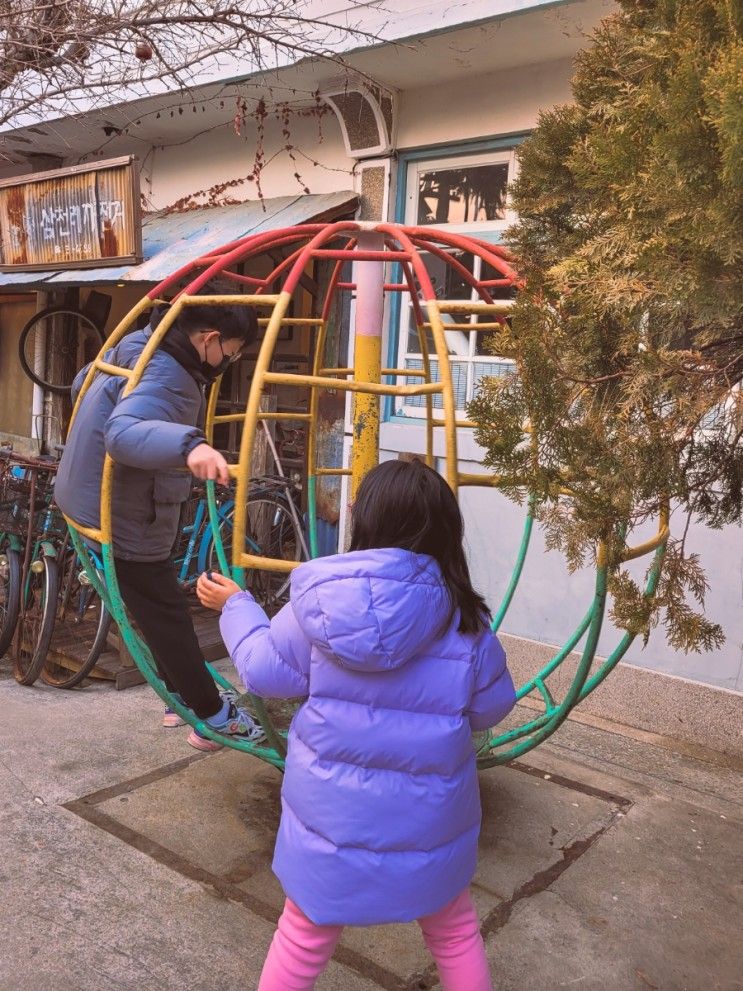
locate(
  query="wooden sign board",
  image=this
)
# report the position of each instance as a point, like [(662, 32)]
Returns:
[(79, 217)]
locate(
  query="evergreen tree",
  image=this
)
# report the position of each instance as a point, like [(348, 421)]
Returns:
[(628, 334)]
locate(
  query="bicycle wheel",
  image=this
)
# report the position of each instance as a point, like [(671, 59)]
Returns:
[(75, 340), (36, 622), (271, 533), (80, 630), (10, 596)]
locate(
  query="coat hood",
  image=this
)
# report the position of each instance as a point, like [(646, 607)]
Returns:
[(371, 610)]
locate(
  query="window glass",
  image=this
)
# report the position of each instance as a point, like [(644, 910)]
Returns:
[(463, 195)]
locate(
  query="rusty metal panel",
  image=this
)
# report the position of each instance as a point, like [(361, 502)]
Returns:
[(75, 217), (171, 240)]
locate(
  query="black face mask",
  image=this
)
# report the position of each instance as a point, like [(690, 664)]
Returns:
[(212, 372)]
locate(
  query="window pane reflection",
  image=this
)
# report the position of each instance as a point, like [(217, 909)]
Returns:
[(462, 195)]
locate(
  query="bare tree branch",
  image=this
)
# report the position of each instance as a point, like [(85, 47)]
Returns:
[(61, 56)]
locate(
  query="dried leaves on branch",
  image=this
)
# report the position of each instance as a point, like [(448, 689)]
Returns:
[(65, 56), (629, 335)]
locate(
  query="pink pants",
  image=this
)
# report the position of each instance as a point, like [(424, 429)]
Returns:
[(300, 950)]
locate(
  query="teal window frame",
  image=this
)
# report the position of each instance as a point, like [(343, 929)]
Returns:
[(502, 142)]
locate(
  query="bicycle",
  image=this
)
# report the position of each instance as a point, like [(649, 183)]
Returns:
[(275, 530), (27, 520), (81, 623), (10, 554), (77, 340), (45, 586)]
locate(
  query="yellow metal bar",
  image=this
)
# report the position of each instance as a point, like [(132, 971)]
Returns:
[(458, 423), (423, 345), (227, 300), (211, 409), (492, 481), (261, 563), (109, 369), (447, 387), (87, 531), (468, 306), (410, 372), (227, 418), (491, 325), (365, 446), (655, 542), (333, 471), (317, 363), (368, 388), (113, 339), (152, 345), (293, 321), (133, 381), (107, 481), (249, 430), (284, 416)]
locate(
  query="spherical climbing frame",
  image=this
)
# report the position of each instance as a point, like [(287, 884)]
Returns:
[(387, 259)]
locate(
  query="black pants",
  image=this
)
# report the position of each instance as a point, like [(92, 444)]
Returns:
[(159, 607)]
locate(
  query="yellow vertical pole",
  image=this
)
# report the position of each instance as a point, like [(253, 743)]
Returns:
[(367, 365)]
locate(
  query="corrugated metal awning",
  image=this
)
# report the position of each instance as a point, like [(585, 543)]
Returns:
[(171, 240)]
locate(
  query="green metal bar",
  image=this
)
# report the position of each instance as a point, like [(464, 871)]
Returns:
[(573, 694), (588, 685), (312, 513), (615, 657), (143, 659), (238, 575), (559, 657), (518, 568), (90, 569), (214, 522), (549, 700)]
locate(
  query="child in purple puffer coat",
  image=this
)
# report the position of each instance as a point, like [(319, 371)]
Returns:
[(391, 647)]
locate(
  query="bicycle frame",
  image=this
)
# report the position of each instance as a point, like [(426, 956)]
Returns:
[(200, 534)]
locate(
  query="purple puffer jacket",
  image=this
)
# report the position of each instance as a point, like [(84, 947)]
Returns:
[(380, 800)]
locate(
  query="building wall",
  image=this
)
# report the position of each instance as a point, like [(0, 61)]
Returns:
[(169, 174), (17, 389), (483, 106)]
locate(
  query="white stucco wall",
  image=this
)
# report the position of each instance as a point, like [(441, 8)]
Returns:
[(483, 106), (550, 602), (217, 156)]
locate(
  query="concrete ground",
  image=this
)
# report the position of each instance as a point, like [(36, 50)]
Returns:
[(128, 861)]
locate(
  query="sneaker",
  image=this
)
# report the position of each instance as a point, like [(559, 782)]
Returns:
[(239, 723), (171, 718)]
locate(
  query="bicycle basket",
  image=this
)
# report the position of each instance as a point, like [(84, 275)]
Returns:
[(16, 483)]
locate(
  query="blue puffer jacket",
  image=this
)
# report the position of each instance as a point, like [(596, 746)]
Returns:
[(380, 801), (148, 434)]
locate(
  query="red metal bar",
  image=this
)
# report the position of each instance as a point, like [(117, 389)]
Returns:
[(399, 234), (496, 256), (248, 280), (330, 231), (333, 284), (463, 271), (388, 286), (362, 256)]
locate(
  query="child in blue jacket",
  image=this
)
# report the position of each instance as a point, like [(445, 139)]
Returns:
[(391, 646)]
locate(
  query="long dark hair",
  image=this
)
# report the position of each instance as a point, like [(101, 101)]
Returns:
[(407, 504)]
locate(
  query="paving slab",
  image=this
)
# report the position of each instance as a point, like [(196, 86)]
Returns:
[(127, 861), (238, 797), (656, 904)]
